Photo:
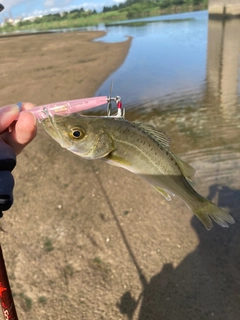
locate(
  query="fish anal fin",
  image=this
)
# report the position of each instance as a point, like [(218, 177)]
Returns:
[(163, 193), (187, 170)]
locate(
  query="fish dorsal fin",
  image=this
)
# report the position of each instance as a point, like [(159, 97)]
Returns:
[(160, 136), (157, 135), (187, 170)]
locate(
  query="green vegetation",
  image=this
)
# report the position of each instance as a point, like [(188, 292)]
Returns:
[(26, 302), (42, 300), (48, 245), (126, 10), (68, 272), (100, 267)]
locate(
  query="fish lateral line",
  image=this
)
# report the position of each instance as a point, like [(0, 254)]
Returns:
[(156, 136)]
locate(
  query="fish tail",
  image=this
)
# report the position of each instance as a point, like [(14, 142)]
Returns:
[(207, 210)]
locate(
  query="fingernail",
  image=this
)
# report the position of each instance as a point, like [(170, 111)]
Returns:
[(19, 104), (35, 119), (10, 108), (8, 114)]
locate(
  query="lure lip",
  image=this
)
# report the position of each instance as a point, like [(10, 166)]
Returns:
[(66, 107)]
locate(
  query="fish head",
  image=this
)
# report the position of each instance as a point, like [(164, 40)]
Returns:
[(86, 136)]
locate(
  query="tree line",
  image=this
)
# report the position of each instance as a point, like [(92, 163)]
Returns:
[(74, 14), (161, 3), (125, 10)]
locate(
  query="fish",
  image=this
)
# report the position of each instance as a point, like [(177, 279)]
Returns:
[(140, 149)]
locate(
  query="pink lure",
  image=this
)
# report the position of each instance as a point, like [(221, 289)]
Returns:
[(66, 107)]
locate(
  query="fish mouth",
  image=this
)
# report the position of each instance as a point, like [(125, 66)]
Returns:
[(52, 128)]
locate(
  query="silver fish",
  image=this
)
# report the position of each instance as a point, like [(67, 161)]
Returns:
[(139, 148)]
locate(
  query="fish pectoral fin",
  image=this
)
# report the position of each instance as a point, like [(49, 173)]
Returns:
[(163, 193), (117, 161), (187, 170)]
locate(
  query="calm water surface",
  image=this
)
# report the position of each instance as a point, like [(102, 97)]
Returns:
[(182, 74), (167, 59)]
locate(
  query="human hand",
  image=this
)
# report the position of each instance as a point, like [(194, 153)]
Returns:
[(17, 134), (14, 136)]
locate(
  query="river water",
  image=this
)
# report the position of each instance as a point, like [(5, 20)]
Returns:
[(166, 61), (182, 74)]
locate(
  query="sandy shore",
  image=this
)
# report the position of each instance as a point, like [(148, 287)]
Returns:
[(54, 67)]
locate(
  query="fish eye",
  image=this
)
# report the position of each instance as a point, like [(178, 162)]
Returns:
[(76, 133)]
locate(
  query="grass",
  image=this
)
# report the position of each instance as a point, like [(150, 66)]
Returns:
[(100, 267), (48, 245), (26, 302), (68, 273), (42, 300)]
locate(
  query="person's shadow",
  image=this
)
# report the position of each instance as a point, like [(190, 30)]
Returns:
[(206, 284)]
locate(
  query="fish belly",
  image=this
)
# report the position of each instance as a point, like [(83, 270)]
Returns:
[(156, 166)]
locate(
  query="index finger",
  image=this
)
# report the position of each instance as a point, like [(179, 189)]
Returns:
[(26, 105)]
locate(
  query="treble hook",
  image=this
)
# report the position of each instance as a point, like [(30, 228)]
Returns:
[(118, 101)]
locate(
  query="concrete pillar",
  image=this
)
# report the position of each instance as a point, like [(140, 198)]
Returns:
[(224, 64), (224, 8)]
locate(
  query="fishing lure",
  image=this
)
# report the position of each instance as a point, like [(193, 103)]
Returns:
[(72, 106), (66, 107)]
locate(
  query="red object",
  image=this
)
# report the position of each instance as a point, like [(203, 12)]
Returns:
[(6, 298), (119, 105)]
